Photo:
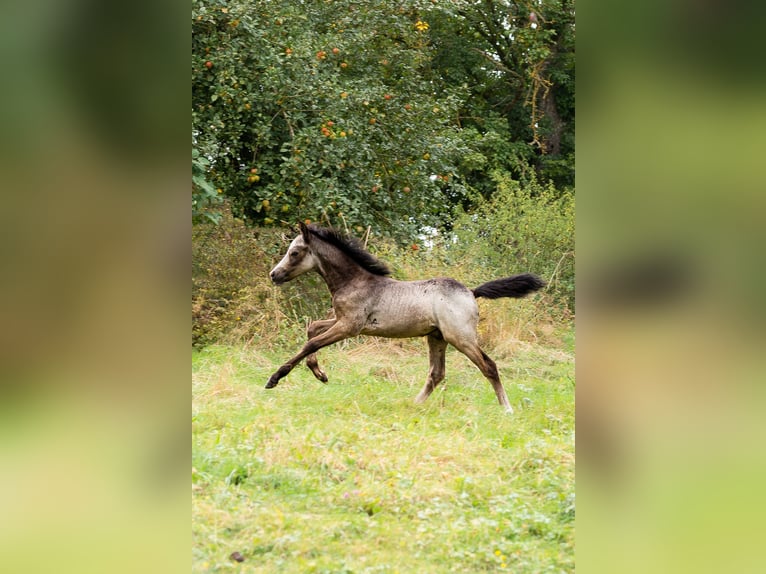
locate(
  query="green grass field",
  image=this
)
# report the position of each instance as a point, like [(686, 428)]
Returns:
[(352, 476)]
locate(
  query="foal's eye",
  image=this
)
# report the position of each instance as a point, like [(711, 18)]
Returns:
[(294, 254)]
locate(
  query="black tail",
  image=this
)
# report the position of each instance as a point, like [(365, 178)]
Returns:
[(516, 286)]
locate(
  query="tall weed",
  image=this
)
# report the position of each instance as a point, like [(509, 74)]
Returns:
[(233, 299)]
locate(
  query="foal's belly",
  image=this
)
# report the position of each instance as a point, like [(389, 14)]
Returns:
[(387, 328), (405, 322)]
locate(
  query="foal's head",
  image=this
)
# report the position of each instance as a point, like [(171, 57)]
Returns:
[(298, 260), (317, 246)]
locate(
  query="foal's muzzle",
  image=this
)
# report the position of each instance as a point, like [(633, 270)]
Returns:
[(276, 277)]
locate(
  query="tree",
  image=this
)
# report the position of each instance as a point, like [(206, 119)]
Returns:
[(325, 111), (518, 59), (367, 114)]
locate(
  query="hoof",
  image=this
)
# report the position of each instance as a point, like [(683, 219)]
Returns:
[(319, 374)]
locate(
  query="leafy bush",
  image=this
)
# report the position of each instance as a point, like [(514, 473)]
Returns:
[(522, 228)]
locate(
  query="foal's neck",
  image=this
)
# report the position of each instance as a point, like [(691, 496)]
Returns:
[(338, 269)]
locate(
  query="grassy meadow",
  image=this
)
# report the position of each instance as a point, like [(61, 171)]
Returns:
[(352, 476)]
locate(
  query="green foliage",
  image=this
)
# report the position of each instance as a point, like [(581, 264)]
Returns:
[(492, 149), (518, 60), (322, 110), (523, 228), (204, 196), (360, 114)]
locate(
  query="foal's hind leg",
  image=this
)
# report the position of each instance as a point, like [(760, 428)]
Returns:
[(317, 328), (488, 368), (437, 348)]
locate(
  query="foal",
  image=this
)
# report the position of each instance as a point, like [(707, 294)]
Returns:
[(368, 302)]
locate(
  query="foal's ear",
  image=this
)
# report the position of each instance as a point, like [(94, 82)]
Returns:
[(304, 231)]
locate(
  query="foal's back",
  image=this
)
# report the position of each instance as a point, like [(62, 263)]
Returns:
[(418, 308)]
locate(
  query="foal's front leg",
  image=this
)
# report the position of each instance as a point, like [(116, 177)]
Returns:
[(337, 332), (314, 329)]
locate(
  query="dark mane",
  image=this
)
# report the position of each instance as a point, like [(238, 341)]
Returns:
[(352, 247)]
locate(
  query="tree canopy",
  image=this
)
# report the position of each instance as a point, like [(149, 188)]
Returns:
[(381, 114)]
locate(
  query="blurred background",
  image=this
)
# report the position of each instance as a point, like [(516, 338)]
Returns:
[(94, 290), (670, 286)]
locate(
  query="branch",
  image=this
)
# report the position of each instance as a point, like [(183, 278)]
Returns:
[(499, 65), (289, 125)]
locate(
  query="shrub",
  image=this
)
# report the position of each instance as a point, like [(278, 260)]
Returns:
[(522, 228)]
